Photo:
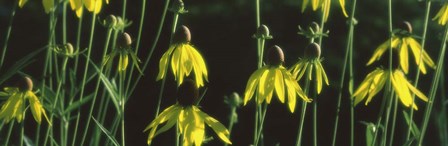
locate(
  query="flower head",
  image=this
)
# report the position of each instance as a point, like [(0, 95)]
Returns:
[(93, 6), (14, 107), (325, 5), (189, 118), (442, 15), (184, 59), (124, 50), (274, 76), (402, 42), (375, 81), (311, 61)]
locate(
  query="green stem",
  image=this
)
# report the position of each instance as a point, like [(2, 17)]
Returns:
[(380, 118), (8, 136), (417, 76), (22, 131), (106, 46), (154, 44), (83, 83), (8, 32), (260, 128), (64, 22), (123, 14), (386, 120), (315, 119), (123, 101), (394, 117), (434, 86), (233, 118), (303, 111)]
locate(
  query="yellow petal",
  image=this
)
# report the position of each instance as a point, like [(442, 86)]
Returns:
[(304, 3), (280, 86), (404, 61), (315, 4), (326, 5), (417, 92), (163, 63), (22, 3), (262, 86), (48, 5), (324, 74), (318, 76), (401, 88), (219, 129), (252, 84), (416, 50), (98, 4), (199, 128), (342, 3), (378, 82), (270, 85)]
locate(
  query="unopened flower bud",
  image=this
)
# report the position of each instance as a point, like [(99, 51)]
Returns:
[(314, 26), (275, 56), (25, 84), (182, 35), (235, 100), (262, 33), (406, 26), (188, 93), (68, 49), (124, 40), (312, 51), (111, 21)]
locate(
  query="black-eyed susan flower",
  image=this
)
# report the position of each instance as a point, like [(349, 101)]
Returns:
[(184, 59), (311, 62), (123, 50), (325, 5), (402, 42), (14, 107), (189, 118), (274, 76), (375, 81), (442, 15)]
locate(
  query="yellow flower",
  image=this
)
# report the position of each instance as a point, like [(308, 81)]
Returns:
[(402, 44), (14, 107), (311, 61), (124, 50), (442, 15), (189, 118), (272, 77), (91, 5), (184, 59), (375, 81), (325, 4), (76, 6)]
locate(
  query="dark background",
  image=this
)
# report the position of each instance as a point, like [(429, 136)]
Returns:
[(222, 31)]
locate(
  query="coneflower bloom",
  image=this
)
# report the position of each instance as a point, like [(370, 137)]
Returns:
[(184, 59), (14, 107), (402, 42), (123, 50), (325, 5), (91, 5), (189, 118), (274, 76), (442, 15), (311, 62), (375, 81)]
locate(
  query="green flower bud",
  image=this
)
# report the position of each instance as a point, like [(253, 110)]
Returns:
[(111, 21), (188, 93), (262, 32), (275, 56), (69, 49), (312, 51)]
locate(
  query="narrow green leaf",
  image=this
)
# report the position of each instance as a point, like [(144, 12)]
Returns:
[(19, 65), (414, 129), (77, 104), (27, 141), (111, 88), (105, 131), (370, 132)]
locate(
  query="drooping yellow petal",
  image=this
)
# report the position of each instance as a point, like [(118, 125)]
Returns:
[(262, 86), (366, 86), (401, 88), (378, 82), (219, 129), (13, 108), (299, 69), (315, 4), (48, 5), (324, 75), (382, 48), (442, 15), (22, 3), (416, 50), (417, 92), (163, 64), (304, 4), (200, 69), (166, 114), (326, 9), (123, 62), (280, 86), (270, 85), (175, 64), (318, 76), (404, 61), (198, 132), (252, 84), (342, 3)]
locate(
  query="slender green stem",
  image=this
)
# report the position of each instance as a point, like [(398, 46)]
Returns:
[(303, 111), (434, 86), (22, 131), (64, 22), (260, 128), (8, 32), (417, 76), (233, 118), (394, 118), (78, 41), (257, 117), (386, 120), (380, 118), (8, 136), (154, 44), (83, 83), (97, 86), (123, 102), (123, 13), (315, 119)]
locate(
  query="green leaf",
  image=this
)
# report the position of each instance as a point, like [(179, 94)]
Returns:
[(414, 129), (19, 65), (77, 104), (111, 88), (105, 131), (27, 141)]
